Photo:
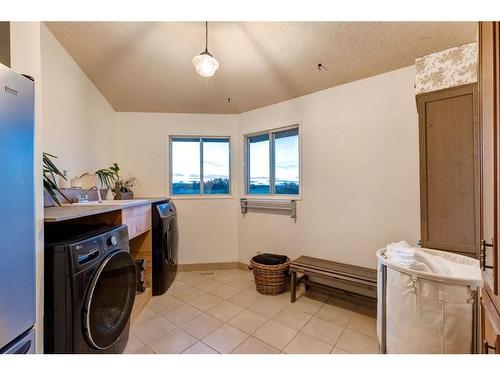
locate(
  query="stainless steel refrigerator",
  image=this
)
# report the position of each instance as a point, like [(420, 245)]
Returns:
[(17, 214)]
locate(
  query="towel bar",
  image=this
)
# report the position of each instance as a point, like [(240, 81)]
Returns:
[(269, 204)]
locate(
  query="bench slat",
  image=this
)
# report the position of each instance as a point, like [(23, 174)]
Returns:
[(347, 277), (328, 266)]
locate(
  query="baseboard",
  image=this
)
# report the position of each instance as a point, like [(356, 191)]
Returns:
[(208, 266), (243, 266)]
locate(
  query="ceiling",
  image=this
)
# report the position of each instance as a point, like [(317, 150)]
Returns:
[(146, 66)]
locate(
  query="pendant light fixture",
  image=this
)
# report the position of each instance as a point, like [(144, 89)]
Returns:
[(205, 64)]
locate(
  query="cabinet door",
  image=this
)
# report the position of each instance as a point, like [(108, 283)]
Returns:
[(489, 97), (488, 146), (449, 169), (490, 326)]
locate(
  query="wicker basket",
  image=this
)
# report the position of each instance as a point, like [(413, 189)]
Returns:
[(270, 279)]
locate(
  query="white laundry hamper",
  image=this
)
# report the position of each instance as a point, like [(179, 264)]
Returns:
[(422, 312)]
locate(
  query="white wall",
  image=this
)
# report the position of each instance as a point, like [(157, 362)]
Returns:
[(208, 226), (79, 122), (26, 59), (360, 172)]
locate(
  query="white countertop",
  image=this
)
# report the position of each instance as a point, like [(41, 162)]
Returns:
[(74, 211)]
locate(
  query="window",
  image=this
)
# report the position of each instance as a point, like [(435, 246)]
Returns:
[(272, 162), (199, 165)]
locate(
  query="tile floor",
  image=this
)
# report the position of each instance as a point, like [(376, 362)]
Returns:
[(210, 312)]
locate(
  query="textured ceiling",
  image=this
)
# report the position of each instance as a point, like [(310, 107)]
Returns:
[(146, 66)]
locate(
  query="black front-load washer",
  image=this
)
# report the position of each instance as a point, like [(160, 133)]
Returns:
[(165, 243), (90, 285)]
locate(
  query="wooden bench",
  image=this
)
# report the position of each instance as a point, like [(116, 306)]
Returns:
[(351, 279)]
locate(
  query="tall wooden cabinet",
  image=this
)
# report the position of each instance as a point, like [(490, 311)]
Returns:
[(450, 169), (489, 114)]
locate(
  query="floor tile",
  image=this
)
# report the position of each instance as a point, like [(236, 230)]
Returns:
[(317, 296), (292, 318), (189, 294), (202, 325), (275, 334), (285, 299), (224, 276), (133, 344), (225, 291), (248, 321), (209, 285), (177, 286), (355, 342), (267, 307), (323, 330), (225, 311), (225, 338), (182, 314), (143, 350), (243, 283), (199, 348), (241, 273), (357, 305), (152, 329), (164, 303), (174, 342), (254, 346), (146, 315), (187, 277), (338, 351), (306, 305), (203, 276), (363, 324), (199, 302), (205, 302), (245, 298), (334, 314), (304, 344)]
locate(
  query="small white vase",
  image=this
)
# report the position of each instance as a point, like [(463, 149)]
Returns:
[(109, 195)]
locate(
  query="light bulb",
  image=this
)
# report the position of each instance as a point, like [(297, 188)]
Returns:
[(206, 65)]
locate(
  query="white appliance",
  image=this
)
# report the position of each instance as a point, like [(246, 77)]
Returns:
[(17, 218)]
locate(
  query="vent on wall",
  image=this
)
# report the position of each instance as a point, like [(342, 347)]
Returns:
[(5, 43)]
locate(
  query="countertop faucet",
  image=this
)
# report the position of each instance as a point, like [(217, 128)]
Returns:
[(99, 198)]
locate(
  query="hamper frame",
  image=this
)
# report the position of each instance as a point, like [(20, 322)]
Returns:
[(476, 305)]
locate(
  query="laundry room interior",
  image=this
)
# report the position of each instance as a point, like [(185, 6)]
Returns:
[(230, 186)]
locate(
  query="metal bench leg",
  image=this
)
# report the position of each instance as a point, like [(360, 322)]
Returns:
[(293, 289)]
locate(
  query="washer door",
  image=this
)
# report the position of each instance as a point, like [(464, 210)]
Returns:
[(110, 300), (170, 240)]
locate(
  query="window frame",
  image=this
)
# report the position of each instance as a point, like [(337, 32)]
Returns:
[(199, 138), (271, 133)]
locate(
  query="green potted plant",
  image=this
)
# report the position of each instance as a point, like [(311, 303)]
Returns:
[(108, 177), (123, 187), (51, 189)]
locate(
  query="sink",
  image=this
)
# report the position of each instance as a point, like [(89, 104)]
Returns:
[(126, 202)]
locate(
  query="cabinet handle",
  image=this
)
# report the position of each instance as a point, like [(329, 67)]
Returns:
[(482, 255), (487, 347)]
